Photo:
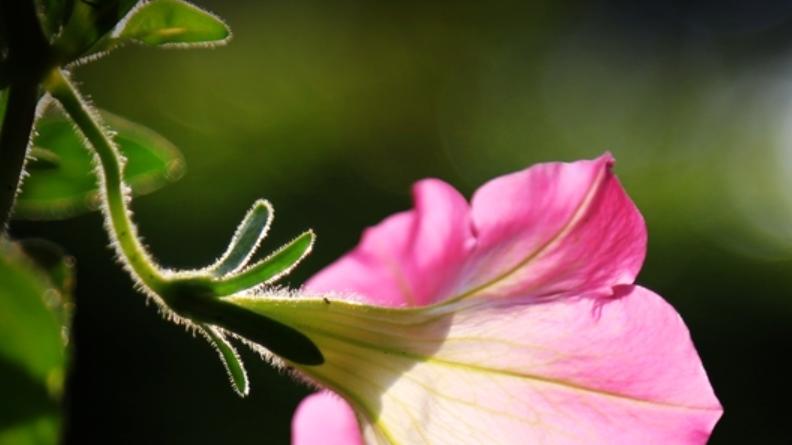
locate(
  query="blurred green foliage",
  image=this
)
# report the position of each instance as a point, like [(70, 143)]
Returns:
[(35, 283), (332, 110), (62, 180)]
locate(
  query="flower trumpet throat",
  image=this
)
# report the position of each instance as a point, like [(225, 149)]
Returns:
[(411, 372), (194, 300)]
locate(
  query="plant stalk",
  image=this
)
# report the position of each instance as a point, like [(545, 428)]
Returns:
[(115, 193)]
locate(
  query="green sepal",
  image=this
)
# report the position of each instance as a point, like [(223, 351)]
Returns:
[(230, 358), (270, 269), (246, 239)]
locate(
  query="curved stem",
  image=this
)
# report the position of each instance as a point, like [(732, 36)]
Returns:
[(115, 193)]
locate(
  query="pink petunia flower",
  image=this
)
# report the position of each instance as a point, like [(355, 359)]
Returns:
[(510, 320)]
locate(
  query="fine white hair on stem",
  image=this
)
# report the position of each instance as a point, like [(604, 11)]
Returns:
[(183, 288), (122, 188)]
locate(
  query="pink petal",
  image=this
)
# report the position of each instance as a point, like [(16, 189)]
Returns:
[(549, 230), (324, 418), (609, 363), (617, 371), (411, 258), (632, 345), (555, 228)]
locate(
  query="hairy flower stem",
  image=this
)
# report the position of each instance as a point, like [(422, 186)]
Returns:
[(115, 193), (193, 297)]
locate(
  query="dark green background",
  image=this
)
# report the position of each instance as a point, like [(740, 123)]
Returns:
[(332, 109)]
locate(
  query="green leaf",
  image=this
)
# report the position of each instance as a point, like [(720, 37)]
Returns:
[(53, 15), (36, 431), (42, 159), (231, 360), (30, 330), (269, 269), (63, 183), (51, 260), (246, 240), (87, 23), (34, 308), (172, 23)]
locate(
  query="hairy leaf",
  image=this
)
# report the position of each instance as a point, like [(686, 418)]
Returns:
[(172, 22), (88, 22), (62, 181), (53, 15)]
